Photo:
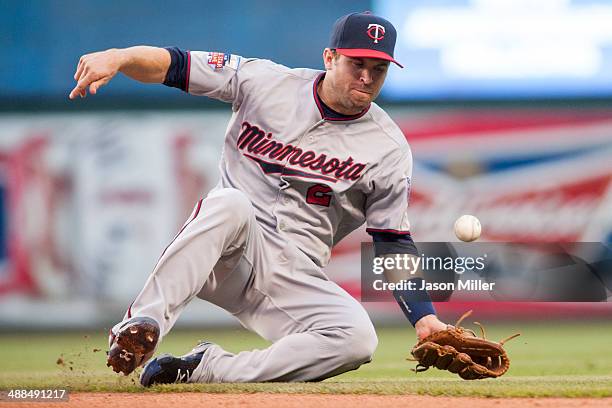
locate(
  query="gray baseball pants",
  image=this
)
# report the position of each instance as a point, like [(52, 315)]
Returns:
[(222, 255)]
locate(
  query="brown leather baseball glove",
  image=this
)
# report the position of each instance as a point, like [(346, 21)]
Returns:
[(460, 351)]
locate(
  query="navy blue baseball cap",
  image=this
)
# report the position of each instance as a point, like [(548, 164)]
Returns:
[(364, 35)]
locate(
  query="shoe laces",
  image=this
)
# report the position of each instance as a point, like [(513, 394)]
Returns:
[(182, 377)]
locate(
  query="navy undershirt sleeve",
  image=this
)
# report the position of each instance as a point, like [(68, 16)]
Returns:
[(389, 243), (414, 303), (176, 76)]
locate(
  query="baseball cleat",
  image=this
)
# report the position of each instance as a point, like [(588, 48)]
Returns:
[(167, 369), (132, 345)]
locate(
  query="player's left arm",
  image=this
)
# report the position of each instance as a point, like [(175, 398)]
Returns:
[(142, 63), (387, 222), (218, 75), (415, 304)]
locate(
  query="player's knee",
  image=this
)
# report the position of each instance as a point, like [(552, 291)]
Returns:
[(360, 345), (238, 207)]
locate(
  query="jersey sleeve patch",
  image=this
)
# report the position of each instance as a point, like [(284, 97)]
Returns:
[(218, 60), (234, 61)]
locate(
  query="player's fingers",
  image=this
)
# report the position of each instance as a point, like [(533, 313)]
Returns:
[(93, 88), (81, 87), (79, 69), (77, 91), (74, 93), (80, 75)]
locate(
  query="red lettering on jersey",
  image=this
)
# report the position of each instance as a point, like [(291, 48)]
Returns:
[(319, 194), (261, 143)]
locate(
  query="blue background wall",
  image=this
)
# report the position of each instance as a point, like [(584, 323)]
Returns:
[(41, 40)]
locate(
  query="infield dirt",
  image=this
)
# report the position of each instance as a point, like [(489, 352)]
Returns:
[(188, 400)]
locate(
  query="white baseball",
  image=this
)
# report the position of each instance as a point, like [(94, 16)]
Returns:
[(467, 228)]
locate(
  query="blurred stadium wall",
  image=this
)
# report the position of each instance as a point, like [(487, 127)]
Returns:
[(91, 191)]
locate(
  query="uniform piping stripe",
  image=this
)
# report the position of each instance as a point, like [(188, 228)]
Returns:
[(390, 231), (188, 71), (290, 171), (197, 211)]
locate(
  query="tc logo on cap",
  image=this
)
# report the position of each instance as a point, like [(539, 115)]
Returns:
[(364, 35), (376, 32)]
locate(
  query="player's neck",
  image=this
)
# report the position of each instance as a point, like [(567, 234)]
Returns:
[(326, 93)]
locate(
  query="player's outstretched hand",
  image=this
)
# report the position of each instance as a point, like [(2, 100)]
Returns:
[(459, 350), (95, 70), (428, 325)]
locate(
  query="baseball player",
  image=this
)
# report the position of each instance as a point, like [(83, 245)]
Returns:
[(308, 158)]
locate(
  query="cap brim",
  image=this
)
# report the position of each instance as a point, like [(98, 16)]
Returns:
[(367, 53)]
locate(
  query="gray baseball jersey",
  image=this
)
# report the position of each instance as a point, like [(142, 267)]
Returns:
[(293, 183), (310, 179)]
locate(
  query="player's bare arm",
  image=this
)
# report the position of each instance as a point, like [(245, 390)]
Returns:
[(142, 63)]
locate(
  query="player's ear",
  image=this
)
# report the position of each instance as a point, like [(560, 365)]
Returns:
[(328, 57)]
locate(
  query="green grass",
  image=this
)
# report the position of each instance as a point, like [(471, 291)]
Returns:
[(565, 360)]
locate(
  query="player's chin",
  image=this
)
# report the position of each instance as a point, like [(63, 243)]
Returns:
[(361, 100)]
